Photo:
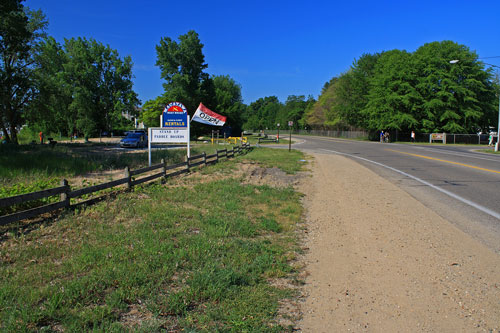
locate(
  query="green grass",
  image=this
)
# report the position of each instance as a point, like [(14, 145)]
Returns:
[(197, 254), (489, 151), (289, 161), (33, 166)]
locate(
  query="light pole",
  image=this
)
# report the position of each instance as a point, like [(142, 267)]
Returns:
[(498, 126)]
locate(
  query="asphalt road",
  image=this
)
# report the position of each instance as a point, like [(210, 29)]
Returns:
[(460, 184)]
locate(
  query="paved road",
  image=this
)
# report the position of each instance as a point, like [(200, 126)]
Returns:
[(458, 183)]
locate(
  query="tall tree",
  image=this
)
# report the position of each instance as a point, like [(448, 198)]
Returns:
[(262, 113), (20, 30), (393, 101), (49, 110), (455, 96), (293, 110), (182, 66), (228, 101)]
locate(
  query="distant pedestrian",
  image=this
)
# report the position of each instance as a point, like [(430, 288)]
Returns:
[(490, 142), (413, 136), (386, 136), (381, 136), (41, 137)]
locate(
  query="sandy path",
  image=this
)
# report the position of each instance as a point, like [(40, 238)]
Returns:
[(380, 261)]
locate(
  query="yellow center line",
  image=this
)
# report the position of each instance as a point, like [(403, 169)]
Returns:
[(445, 161)]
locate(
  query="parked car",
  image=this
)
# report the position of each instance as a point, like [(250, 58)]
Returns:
[(134, 140)]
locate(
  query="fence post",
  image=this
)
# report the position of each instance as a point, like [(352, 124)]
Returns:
[(64, 195), (128, 186), (217, 156), (226, 152), (164, 167), (204, 158)]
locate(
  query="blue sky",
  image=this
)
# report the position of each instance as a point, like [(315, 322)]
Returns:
[(278, 48)]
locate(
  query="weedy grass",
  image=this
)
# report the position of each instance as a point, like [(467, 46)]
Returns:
[(288, 161), (22, 163), (189, 255)]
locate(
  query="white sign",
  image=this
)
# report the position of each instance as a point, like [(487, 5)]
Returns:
[(169, 135)]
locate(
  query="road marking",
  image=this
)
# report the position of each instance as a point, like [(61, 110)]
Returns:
[(463, 154), (445, 161), (448, 193)]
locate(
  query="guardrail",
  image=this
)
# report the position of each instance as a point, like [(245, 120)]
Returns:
[(65, 193)]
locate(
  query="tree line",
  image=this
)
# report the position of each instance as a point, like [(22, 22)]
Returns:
[(182, 66), (441, 87), (82, 86)]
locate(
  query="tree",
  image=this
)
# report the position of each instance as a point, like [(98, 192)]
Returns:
[(393, 101), (152, 110), (20, 30), (262, 113), (49, 109), (293, 110), (457, 98), (228, 101), (83, 86), (182, 66)]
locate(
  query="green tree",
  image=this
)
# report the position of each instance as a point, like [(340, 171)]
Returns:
[(49, 110), (262, 113), (83, 86), (20, 30), (293, 110), (457, 98), (152, 110), (182, 66), (393, 101), (228, 101)]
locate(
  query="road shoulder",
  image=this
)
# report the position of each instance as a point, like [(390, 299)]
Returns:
[(379, 260)]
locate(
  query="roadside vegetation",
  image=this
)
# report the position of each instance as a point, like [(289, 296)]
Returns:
[(200, 253), (27, 165)]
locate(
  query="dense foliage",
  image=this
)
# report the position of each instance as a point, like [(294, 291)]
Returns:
[(421, 91), (182, 65), (20, 30), (82, 86)]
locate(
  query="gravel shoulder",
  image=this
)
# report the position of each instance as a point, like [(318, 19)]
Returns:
[(379, 260)]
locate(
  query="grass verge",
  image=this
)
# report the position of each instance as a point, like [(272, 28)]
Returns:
[(197, 254)]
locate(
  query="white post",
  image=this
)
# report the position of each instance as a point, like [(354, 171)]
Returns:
[(161, 120), (188, 136), (150, 132), (498, 127)]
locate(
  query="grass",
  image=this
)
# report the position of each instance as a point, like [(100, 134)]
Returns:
[(199, 254), (289, 161), (27, 168), (489, 151)]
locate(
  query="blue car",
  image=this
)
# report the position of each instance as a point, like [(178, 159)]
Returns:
[(134, 140)]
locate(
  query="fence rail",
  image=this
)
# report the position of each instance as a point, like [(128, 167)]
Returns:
[(66, 194)]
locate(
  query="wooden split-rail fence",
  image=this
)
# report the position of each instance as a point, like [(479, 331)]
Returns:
[(65, 193)]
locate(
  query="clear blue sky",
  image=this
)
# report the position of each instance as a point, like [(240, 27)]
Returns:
[(270, 47)]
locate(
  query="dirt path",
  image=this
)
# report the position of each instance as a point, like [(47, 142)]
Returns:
[(380, 261)]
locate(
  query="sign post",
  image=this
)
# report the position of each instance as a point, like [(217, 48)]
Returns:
[(290, 124), (278, 136)]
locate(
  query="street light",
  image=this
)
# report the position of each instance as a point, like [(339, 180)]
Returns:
[(498, 127)]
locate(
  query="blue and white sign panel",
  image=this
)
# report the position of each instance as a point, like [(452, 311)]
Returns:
[(174, 115)]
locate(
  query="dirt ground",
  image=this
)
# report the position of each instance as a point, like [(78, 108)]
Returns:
[(378, 260)]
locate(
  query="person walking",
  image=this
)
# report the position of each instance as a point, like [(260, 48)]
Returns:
[(490, 142), (41, 137), (412, 136), (381, 136)]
